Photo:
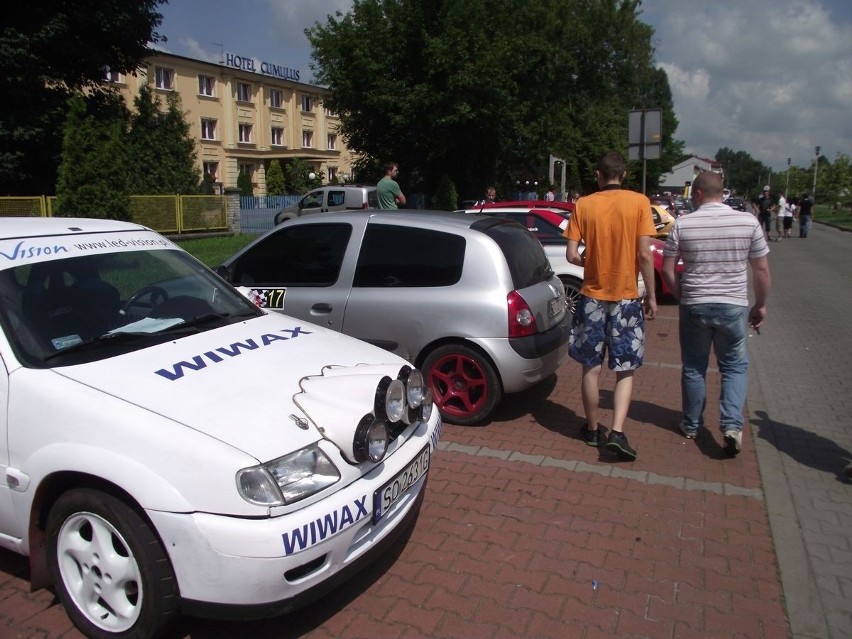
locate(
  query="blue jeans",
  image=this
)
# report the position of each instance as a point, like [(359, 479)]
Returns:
[(804, 225), (725, 328)]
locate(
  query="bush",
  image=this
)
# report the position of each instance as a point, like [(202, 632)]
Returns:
[(445, 197)]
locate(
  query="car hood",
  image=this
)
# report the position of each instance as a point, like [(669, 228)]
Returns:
[(265, 386)]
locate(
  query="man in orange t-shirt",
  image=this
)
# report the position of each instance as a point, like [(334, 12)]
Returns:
[(616, 226)]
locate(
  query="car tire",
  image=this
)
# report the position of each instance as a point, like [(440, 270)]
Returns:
[(109, 569), (464, 384), (572, 292)]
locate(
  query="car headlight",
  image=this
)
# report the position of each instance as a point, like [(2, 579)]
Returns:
[(287, 479)]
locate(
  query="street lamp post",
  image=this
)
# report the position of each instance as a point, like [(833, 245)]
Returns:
[(816, 166), (787, 188)]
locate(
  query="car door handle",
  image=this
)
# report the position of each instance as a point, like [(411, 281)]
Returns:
[(321, 309)]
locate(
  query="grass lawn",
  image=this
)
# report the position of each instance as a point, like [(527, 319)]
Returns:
[(213, 250), (840, 217)]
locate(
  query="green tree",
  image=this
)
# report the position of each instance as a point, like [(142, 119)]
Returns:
[(48, 50), (446, 198), (297, 176), (275, 178), (244, 184), (161, 151), (496, 109), (93, 177)]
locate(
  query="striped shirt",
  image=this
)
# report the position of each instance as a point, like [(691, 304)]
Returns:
[(715, 243)]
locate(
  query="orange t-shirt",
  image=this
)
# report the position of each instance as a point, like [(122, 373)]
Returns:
[(610, 222)]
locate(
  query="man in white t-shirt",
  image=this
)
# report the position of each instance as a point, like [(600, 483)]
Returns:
[(717, 245)]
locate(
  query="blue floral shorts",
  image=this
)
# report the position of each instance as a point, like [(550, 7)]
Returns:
[(599, 327)]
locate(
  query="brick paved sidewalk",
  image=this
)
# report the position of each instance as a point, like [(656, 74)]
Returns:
[(528, 532)]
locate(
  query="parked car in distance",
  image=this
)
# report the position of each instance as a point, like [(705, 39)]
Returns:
[(667, 202), (663, 220), (471, 300), (736, 203), (563, 208), (660, 288), (169, 448), (337, 197)]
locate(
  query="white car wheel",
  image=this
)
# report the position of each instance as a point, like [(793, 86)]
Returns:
[(109, 570)]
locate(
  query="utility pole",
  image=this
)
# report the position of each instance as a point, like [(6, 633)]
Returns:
[(787, 188), (816, 166)]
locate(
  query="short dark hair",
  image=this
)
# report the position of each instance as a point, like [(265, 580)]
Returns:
[(388, 167), (611, 166)]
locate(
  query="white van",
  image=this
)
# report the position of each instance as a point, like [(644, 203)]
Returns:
[(338, 197)]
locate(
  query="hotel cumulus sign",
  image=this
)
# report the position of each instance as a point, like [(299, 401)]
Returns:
[(254, 65)]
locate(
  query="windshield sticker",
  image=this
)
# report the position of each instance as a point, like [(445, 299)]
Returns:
[(324, 527), (199, 362), (23, 251)]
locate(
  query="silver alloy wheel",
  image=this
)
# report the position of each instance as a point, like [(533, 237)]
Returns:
[(100, 572)]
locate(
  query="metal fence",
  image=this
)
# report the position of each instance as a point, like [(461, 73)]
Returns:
[(163, 213), (277, 202)]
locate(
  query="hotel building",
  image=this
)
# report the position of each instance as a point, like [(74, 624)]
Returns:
[(243, 113)]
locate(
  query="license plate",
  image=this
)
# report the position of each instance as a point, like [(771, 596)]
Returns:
[(554, 306), (386, 496), (269, 297)]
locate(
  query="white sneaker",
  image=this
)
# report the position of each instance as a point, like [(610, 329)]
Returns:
[(733, 442)]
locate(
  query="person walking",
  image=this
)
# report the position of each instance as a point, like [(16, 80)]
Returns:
[(609, 319), (785, 216), (717, 245), (550, 196), (763, 204), (388, 193), (806, 208)]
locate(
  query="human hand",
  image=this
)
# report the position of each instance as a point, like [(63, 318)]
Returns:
[(649, 307)]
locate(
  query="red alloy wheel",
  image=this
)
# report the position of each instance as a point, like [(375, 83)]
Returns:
[(464, 385)]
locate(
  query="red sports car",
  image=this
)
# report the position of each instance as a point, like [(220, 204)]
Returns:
[(660, 287)]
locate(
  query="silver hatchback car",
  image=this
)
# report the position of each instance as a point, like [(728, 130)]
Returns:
[(471, 300)]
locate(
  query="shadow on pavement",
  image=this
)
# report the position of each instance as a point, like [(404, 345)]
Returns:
[(807, 448)]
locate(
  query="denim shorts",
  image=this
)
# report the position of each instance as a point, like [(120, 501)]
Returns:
[(616, 328)]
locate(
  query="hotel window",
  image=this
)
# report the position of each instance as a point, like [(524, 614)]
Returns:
[(112, 76), (243, 92), (277, 136), (332, 142), (332, 174), (247, 169), (275, 98), (208, 129), (245, 133), (307, 103), (307, 139), (329, 113), (205, 85), (212, 169), (165, 78)]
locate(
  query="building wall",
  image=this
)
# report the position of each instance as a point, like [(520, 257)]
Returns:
[(248, 103)]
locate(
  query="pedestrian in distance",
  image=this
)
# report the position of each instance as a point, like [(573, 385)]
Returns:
[(805, 212), (550, 196), (490, 196), (780, 214), (786, 215), (763, 206), (717, 245), (388, 193), (616, 226)]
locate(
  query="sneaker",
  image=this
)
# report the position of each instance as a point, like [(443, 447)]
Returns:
[(689, 434), (589, 436), (733, 442), (617, 443)]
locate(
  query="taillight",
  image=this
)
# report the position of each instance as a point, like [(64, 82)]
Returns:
[(521, 320), (366, 205)]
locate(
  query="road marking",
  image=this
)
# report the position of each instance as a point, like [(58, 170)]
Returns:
[(608, 470)]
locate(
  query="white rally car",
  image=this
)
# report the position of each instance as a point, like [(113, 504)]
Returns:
[(167, 447)]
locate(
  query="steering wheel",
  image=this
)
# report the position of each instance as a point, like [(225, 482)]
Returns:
[(156, 295)]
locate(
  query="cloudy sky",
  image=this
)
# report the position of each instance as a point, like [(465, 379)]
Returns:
[(773, 79)]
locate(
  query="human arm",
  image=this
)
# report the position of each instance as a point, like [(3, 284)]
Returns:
[(670, 276), (399, 197), (572, 253), (761, 281), (646, 267)]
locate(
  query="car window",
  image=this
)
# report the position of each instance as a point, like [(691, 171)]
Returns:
[(545, 231), (311, 200), (527, 261), (301, 255), (336, 198), (387, 258)]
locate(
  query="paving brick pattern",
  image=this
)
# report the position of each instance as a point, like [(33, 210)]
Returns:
[(528, 532)]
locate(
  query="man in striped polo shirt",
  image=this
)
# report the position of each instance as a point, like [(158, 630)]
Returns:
[(717, 245)]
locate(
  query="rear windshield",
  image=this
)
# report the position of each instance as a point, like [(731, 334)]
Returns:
[(523, 252)]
